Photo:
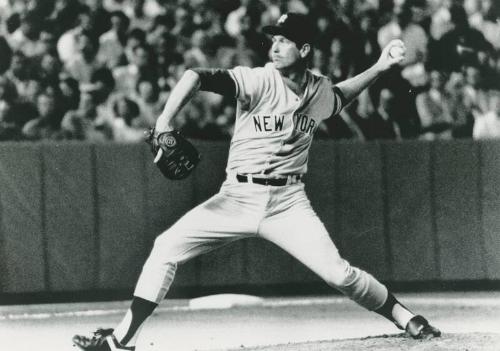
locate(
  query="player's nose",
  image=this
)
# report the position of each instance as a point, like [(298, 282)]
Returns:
[(275, 47)]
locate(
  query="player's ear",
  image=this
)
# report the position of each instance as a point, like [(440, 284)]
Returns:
[(305, 50)]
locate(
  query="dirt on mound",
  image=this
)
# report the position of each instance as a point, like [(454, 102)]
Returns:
[(397, 342)]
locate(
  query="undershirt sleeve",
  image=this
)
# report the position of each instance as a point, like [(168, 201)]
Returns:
[(340, 100), (217, 81)]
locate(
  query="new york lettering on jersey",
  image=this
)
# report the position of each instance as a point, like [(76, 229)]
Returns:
[(268, 123), (272, 123), (274, 127)]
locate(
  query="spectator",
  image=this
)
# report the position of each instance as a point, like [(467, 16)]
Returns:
[(102, 84), (161, 26), (125, 111), (100, 16), (348, 35), (174, 73), (10, 125), (141, 15), (64, 15), (70, 92), (413, 35), (47, 42), (487, 22), (194, 117), (85, 63), (165, 55), (8, 91), (271, 12), (25, 38), (381, 124), (344, 126), (21, 68), (50, 67), (463, 120), (204, 16), (251, 43), (112, 43), (149, 101), (384, 122), (31, 88), (332, 24), (233, 20), (474, 91), (135, 37), (47, 125), (440, 18), (196, 56), (22, 75), (460, 45), (224, 122), (184, 27), (366, 50), (67, 45), (85, 123), (487, 125), (434, 110), (320, 62), (6, 56), (142, 64), (339, 65), (9, 130)]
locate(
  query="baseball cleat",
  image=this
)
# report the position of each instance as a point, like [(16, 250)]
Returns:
[(102, 340), (419, 328)]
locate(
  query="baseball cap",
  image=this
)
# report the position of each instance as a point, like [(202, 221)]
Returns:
[(296, 27)]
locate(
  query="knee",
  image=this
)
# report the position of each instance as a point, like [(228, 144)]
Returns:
[(340, 274), (163, 250)]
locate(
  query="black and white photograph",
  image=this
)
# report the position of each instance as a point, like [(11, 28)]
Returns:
[(160, 189)]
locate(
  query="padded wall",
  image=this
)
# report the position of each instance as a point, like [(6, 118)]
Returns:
[(121, 207), (76, 217), (70, 216), (409, 211), (490, 206), (22, 240), (360, 201), (456, 191)]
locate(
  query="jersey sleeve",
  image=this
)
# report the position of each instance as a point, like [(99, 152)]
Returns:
[(250, 83)]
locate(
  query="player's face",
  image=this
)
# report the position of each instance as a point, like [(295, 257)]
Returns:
[(284, 52)]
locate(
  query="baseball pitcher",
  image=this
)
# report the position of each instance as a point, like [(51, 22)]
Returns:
[(279, 107)]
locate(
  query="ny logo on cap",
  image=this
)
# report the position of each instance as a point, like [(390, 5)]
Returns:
[(282, 19)]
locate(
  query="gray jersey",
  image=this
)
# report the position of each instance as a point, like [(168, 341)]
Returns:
[(274, 127)]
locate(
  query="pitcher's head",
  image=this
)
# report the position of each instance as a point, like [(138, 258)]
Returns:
[(293, 37)]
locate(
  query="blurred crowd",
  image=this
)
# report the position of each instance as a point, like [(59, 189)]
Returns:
[(101, 70)]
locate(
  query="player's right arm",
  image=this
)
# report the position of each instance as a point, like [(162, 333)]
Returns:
[(182, 92), (215, 80)]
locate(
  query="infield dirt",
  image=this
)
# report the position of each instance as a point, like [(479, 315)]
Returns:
[(396, 342)]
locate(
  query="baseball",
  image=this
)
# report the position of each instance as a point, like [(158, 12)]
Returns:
[(396, 51)]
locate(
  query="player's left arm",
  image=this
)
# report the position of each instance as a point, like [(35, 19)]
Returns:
[(391, 55)]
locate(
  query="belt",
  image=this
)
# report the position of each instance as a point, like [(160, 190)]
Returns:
[(290, 179)]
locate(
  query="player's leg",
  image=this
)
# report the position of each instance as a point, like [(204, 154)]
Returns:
[(219, 221), (300, 232)]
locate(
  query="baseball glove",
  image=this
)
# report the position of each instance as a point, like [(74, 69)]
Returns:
[(174, 155)]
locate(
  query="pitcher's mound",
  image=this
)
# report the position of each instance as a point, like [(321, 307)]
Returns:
[(397, 342)]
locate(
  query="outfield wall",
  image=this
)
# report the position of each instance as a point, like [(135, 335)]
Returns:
[(80, 217)]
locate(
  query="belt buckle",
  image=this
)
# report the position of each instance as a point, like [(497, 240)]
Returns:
[(266, 181)]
